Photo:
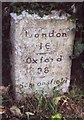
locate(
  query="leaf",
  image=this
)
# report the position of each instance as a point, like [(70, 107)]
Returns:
[(4, 90), (39, 102), (29, 114), (52, 108), (56, 116), (16, 111), (56, 100), (83, 65), (2, 110), (79, 48)]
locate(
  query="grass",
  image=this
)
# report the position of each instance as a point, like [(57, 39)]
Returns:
[(44, 107)]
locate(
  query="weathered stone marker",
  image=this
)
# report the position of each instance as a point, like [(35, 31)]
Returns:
[(41, 49)]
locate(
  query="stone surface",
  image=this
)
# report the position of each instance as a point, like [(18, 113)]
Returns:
[(40, 52)]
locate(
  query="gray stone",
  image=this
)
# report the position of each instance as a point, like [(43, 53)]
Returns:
[(40, 52)]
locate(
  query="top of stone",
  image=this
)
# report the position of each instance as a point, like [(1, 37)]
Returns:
[(53, 15)]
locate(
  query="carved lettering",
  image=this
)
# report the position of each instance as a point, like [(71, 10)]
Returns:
[(60, 58), (52, 81), (58, 35), (30, 60), (44, 35), (34, 60), (36, 35), (40, 70), (46, 70), (52, 33), (64, 35), (47, 46), (40, 46)]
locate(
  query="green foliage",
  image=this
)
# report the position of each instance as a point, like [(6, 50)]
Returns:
[(1, 98), (37, 7), (47, 103), (79, 48), (40, 102), (83, 65), (75, 93), (57, 116)]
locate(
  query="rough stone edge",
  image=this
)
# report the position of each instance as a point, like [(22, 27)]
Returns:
[(0, 43), (12, 38), (54, 15), (41, 0)]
